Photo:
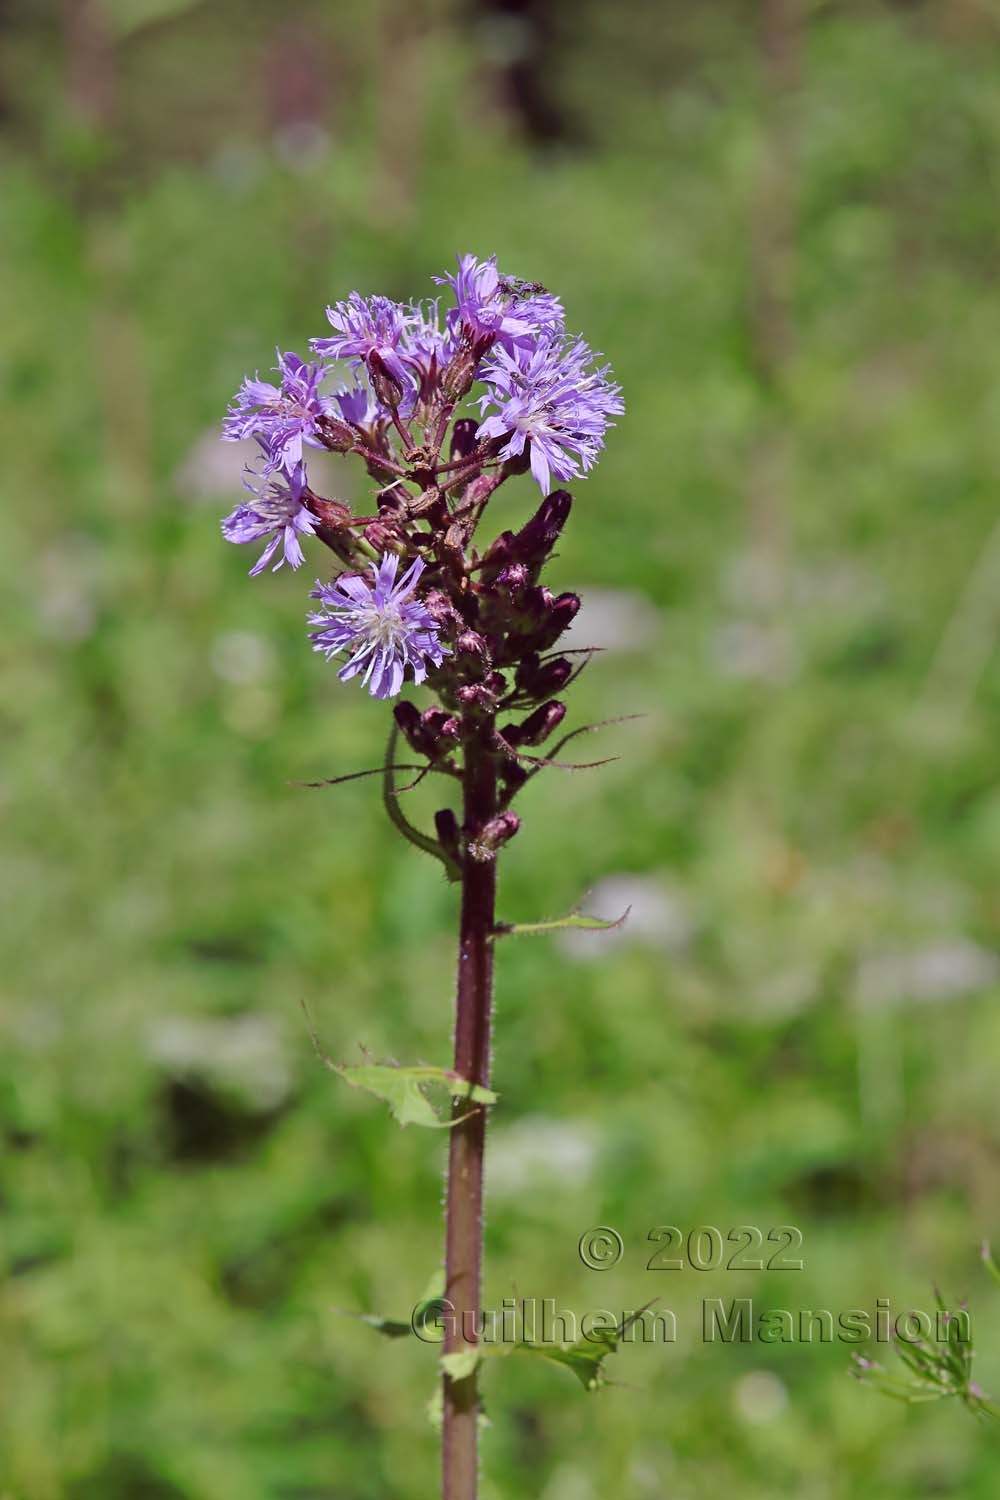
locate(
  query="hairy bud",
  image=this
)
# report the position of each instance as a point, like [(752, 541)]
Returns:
[(538, 679), (559, 617), (335, 435), (385, 385), (446, 825), (536, 539), (330, 512), (459, 373), (498, 831), (537, 726)]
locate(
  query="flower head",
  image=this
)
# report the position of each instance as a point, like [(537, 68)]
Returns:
[(383, 626), (368, 330), (282, 417), (277, 511), (553, 397), (426, 346), (493, 309)]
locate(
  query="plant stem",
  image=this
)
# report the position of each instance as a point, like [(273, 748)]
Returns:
[(464, 1210)]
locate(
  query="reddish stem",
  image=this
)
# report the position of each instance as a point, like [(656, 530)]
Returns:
[(464, 1211)]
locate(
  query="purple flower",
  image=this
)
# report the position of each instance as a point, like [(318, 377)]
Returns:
[(277, 511), (426, 346), (359, 407), (283, 417), (382, 625), (551, 397), (367, 327), (494, 309)]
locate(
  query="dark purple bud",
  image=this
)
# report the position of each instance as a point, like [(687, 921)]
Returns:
[(513, 578), (335, 435), (385, 385), (476, 694), (536, 539), (440, 726), (500, 552), (537, 726), (449, 838), (560, 616), (518, 464), (538, 679), (410, 725), (498, 831), (513, 775), (463, 437), (470, 643)]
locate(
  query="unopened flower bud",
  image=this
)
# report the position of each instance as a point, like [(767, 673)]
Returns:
[(513, 578), (498, 831), (499, 553), (449, 838), (463, 437), (385, 385), (459, 373), (334, 434), (540, 679), (512, 774), (408, 721), (476, 694), (470, 643), (537, 726), (518, 463), (330, 512), (440, 726), (560, 616), (538, 536)]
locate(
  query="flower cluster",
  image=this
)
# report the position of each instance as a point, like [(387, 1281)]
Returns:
[(441, 405)]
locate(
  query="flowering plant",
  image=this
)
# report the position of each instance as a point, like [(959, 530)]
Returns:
[(417, 599)]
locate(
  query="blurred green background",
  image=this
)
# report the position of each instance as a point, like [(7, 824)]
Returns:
[(779, 222)]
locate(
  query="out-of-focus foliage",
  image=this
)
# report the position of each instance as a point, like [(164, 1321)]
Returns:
[(783, 236)]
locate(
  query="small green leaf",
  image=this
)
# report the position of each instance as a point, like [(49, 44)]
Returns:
[(401, 1091), (387, 1326), (403, 1088), (461, 1365), (574, 920)]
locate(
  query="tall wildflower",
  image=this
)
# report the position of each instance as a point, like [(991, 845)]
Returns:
[(441, 406)]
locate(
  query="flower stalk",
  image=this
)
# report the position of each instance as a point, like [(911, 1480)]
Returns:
[(473, 1031), (418, 601)]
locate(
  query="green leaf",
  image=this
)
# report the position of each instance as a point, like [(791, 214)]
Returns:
[(403, 1090), (574, 920), (389, 1327), (461, 1365)]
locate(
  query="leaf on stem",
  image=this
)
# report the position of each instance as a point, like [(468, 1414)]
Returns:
[(575, 920), (403, 1090)]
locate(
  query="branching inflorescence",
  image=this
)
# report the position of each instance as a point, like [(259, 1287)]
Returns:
[(442, 406)]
